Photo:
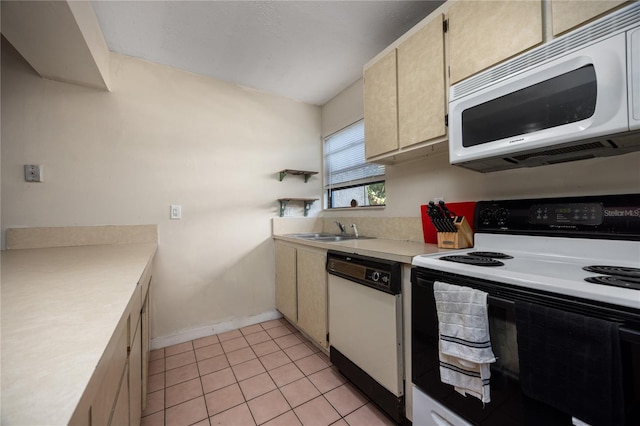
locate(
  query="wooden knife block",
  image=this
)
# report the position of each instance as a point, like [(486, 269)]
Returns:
[(457, 240)]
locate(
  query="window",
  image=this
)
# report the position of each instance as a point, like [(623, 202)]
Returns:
[(349, 180)]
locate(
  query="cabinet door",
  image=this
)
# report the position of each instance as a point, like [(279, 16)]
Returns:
[(135, 378), (312, 294), (381, 107), (286, 294), (145, 336), (421, 85), (120, 416), (569, 14), (483, 33)]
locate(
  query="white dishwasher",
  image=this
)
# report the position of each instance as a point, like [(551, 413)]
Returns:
[(365, 327)]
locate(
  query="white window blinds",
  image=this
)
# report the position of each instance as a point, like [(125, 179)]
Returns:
[(344, 160)]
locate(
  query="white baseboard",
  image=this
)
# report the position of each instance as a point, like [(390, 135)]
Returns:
[(208, 330)]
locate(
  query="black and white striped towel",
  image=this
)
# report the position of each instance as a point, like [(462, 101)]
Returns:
[(465, 344)]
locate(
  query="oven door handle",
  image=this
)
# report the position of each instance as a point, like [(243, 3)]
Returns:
[(626, 334)]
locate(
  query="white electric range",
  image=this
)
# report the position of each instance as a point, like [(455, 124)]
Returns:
[(577, 255)]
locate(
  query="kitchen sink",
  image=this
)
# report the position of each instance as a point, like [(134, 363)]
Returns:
[(327, 237)]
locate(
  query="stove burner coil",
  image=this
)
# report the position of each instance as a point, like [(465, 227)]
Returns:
[(491, 254), (615, 281), (618, 271), (473, 260)]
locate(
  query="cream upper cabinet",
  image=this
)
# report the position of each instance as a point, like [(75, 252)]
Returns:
[(405, 96), (381, 107), (312, 294), (421, 85), (569, 14), (286, 291), (483, 33)]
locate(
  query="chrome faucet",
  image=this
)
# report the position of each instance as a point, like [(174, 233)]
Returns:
[(343, 230), (355, 229)]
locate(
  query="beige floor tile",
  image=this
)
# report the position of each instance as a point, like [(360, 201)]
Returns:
[(248, 369), (259, 337), (205, 341), (256, 386), (311, 346), (268, 406), (265, 347), (345, 399), (317, 412), (368, 415), (274, 360), (217, 380), (182, 392), (341, 422), (287, 341), (157, 366), (299, 392), (278, 331), (327, 379), (286, 374), (223, 399), (155, 383), (210, 351), (287, 419), (156, 354), (233, 334), (298, 351), (155, 402), (178, 349), (181, 374), (271, 324), (237, 416), (210, 365), (240, 356), (311, 364), (234, 344), (156, 419), (204, 422), (250, 329), (187, 413), (179, 360)]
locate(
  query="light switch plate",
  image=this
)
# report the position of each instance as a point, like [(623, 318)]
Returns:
[(32, 173), (176, 211)]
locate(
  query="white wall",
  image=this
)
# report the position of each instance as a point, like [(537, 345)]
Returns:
[(161, 137), (412, 184)]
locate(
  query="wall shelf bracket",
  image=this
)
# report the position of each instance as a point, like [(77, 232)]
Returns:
[(307, 204), (305, 173)]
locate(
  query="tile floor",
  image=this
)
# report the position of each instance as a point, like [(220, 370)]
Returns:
[(263, 374)]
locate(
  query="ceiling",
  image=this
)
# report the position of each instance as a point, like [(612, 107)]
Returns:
[(304, 50)]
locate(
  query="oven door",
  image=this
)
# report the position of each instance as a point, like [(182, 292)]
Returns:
[(508, 404)]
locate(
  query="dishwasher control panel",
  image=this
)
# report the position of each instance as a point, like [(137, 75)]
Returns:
[(381, 274)]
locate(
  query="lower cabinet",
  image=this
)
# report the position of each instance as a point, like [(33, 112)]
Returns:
[(301, 288), (135, 377), (114, 395)]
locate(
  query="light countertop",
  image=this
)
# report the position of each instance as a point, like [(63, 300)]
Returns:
[(400, 251), (60, 307)]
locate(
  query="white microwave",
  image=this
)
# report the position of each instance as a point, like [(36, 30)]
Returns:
[(573, 98)]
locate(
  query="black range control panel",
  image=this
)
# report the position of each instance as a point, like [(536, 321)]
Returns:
[(605, 216), (567, 214), (381, 274)]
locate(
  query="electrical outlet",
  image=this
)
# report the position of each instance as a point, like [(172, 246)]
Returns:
[(32, 173), (176, 211)]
